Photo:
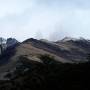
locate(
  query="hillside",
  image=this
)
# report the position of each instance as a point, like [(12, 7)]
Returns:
[(43, 64), (64, 51), (50, 74), (69, 51)]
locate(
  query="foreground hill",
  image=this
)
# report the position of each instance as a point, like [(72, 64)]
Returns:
[(50, 74)]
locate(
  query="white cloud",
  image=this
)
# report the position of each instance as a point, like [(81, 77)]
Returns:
[(8, 7), (24, 18)]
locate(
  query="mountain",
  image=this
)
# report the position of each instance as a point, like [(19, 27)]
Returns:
[(45, 64), (11, 42), (64, 51), (78, 48), (71, 50), (67, 50), (67, 39)]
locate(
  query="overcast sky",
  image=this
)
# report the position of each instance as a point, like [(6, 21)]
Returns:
[(50, 19)]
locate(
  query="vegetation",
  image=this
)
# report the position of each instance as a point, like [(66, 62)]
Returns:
[(2, 41), (50, 74)]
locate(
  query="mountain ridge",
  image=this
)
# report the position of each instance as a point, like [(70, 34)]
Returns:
[(71, 51)]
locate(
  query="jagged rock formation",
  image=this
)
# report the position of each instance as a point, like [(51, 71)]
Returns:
[(11, 42)]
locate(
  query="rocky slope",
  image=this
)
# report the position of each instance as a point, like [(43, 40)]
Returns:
[(65, 51)]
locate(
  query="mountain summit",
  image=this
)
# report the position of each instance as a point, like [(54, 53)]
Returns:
[(11, 42)]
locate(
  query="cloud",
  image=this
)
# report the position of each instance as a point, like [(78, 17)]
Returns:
[(55, 19), (8, 7)]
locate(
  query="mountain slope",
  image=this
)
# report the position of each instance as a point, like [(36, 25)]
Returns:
[(78, 49), (69, 51)]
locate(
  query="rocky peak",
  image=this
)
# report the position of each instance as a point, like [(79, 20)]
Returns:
[(11, 41)]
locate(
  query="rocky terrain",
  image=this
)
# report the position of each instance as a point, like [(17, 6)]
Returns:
[(67, 57)]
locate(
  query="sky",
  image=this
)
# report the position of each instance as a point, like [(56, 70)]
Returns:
[(47, 19)]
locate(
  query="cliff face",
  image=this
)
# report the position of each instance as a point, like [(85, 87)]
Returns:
[(11, 42), (7, 43)]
